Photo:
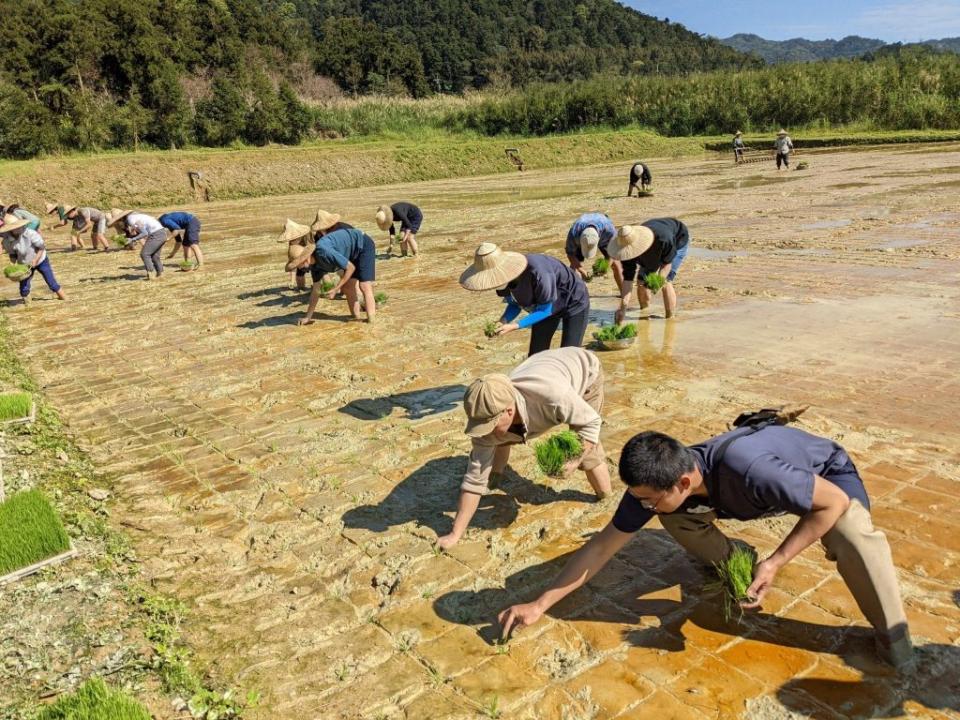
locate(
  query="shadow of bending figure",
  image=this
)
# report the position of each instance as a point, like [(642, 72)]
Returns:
[(431, 491), (418, 403)]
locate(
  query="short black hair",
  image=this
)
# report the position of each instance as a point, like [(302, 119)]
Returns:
[(655, 460)]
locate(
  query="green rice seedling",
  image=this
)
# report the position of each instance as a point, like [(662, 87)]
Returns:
[(119, 241), (490, 328), (16, 271), (14, 406), (654, 281), (803, 165), (95, 700), (601, 266), (554, 452), (734, 576), (380, 298), (187, 265), (327, 285), (609, 333), (30, 531)]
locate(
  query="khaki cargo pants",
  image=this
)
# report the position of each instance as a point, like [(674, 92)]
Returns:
[(860, 550)]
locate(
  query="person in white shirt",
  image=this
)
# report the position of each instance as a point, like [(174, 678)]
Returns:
[(783, 145), (140, 227), (25, 246)]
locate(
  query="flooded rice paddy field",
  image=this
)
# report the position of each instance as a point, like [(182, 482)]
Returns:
[(288, 482)]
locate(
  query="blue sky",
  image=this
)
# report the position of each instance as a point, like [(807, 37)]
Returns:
[(890, 20)]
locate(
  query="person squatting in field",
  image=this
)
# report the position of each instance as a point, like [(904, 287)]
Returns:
[(25, 246), (554, 387), (747, 473), (639, 175), (140, 227), (592, 232), (548, 290), (185, 230), (410, 218), (657, 246)]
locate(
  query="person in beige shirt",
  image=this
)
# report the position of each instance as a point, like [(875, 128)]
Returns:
[(553, 387)]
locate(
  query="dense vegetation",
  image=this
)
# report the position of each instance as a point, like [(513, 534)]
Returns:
[(117, 73), (906, 90), (802, 50)]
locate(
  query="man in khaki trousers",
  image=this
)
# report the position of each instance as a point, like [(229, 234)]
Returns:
[(745, 474)]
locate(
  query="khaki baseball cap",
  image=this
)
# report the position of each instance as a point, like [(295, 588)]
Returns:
[(484, 401)]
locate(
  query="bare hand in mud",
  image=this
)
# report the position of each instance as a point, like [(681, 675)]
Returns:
[(305, 321), (508, 328), (447, 541), (516, 617), (763, 576), (330, 295)]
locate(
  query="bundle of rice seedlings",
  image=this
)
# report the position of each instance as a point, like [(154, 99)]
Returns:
[(803, 165), (30, 531), (609, 333), (327, 285), (14, 406), (490, 328), (187, 265), (16, 271), (554, 452), (734, 576), (601, 266), (119, 241), (654, 281), (95, 700), (380, 298)]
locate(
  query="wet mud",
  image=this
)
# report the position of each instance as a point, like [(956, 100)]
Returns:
[(288, 482)]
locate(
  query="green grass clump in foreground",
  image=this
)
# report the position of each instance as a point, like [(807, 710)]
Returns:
[(554, 452), (601, 266), (94, 700), (30, 531), (15, 405), (16, 270), (735, 575), (615, 332), (654, 281)]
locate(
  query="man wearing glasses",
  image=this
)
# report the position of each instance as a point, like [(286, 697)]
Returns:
[(745, 474)]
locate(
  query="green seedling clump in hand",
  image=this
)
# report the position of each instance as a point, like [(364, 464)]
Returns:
[(601, 266), (654, 281), (16, 271), (609, 333), (15, 405), (94, 700), (554, 452), (119, 241), (30, 531), (380, 298), (735, 575), (327, 285), (490, 328)]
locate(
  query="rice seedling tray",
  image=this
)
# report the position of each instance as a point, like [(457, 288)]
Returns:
[(16, 272), (17, 408), (32, 536)]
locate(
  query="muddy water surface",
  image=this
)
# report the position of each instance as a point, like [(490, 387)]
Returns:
[(288, 482)]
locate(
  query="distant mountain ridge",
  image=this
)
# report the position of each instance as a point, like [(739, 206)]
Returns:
[(803, 50)]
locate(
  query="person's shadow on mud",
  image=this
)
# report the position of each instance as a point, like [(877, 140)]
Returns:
[(292, 318), (431, 491), (418, 403)]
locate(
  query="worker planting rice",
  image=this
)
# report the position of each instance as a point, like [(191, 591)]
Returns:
[(657, 246), (590, 234), (410, 218), (25, 246), (139, 227), (184, 228)]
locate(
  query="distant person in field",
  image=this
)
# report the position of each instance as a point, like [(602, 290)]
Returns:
[(184, 227), (639, 175), (338, 249), (738, 147), (83, 219), (589, 234), (550, 292), (139, 227), (549, 389), (24, 245), (410, 218), (657, 246), (745, 474), (783, 145)]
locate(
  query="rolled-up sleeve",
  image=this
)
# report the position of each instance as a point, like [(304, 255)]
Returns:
[(477, 477)]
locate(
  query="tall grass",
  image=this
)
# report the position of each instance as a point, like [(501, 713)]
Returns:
[(30, 531), (94, 700)]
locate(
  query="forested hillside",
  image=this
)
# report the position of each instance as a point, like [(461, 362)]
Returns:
[(802, 50)]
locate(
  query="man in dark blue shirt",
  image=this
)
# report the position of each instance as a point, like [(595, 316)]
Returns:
[(746, 474)]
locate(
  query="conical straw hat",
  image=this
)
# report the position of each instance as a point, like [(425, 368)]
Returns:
[(51, 207), (296, 254), (631, 241), (492, 267), (115, 215), (293, 231), (384, 217), (324, 220), (12, 222), (782, 132)]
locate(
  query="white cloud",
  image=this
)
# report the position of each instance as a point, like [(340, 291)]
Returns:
[(911, 21)]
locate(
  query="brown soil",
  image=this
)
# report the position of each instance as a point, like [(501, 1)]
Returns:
[(289, 481)]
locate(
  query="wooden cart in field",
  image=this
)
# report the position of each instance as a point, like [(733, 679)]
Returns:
[(753, 155)]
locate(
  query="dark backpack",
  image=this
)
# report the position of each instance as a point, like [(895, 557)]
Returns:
[(752, 422)]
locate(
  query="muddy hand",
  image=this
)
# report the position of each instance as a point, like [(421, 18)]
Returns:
[(305, 321), (763, 576), (516, 617)]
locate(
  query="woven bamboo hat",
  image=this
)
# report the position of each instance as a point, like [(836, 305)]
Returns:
[(492, 267), (384, 217), (12, 222), (782, 132), (738, 132), (293, 231), (51, 207), (631, 241), (70, 208), (114, 216), (324, 220), (297, 255)]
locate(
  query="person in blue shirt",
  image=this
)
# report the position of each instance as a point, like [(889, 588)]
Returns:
[(591, 233), (343, 249), (744, 474), (186, 231), (550, 292)]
